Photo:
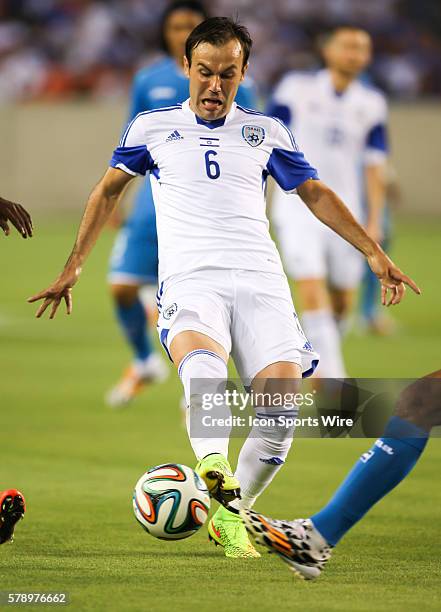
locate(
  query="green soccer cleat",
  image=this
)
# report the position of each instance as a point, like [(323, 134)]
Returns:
[(227, 529), (216, 472)]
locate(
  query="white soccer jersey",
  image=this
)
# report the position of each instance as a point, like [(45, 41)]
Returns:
[(338, 133), (208, 182)]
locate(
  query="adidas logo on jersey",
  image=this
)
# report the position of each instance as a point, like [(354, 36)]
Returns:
[(174, 136)]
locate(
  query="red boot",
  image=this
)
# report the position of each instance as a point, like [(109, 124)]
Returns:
[(12, 509)]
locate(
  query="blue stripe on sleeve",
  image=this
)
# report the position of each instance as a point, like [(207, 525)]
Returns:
[(136, 159), (290, 168), (280, 111), (378, 138)]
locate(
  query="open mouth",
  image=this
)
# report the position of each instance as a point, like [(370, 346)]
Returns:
[(211, 104)]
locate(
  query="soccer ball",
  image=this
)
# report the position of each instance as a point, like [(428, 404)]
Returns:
[(171, 501)]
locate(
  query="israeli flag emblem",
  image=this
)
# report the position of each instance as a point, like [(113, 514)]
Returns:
[(253, 134)]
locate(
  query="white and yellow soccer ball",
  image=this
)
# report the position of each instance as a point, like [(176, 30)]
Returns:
[(171, 501)]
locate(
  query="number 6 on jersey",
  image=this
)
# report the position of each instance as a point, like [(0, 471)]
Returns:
[(212, 167)]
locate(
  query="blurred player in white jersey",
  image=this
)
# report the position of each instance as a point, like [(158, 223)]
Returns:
[(222, 287), (340, 125)]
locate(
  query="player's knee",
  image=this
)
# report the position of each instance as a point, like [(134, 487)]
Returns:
[(124, 295), (342, 301), (420, 403)]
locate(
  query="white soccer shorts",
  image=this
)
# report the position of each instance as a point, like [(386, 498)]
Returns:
[(310, 249), (249, 313)]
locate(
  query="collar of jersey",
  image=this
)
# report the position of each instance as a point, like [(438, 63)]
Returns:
[(211, 125)]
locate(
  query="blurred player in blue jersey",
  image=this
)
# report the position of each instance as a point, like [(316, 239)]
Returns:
[(134, 261), (340, 124)]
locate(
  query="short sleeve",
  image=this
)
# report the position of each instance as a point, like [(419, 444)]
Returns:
[(377, 140), (132, 155), (280, 111), (286, 164)]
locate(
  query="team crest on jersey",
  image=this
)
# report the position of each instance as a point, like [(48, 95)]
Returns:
[(170, 311), (253, 134)]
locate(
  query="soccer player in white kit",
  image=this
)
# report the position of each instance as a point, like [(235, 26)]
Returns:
[(222, 287), (340, 125)]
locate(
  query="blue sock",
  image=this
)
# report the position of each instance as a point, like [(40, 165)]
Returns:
[(374, 475), (133, 320), (369, 295)]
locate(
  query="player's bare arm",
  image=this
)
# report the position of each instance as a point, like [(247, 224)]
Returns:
[(13, 213), (331, 211), (99, 207), (375, 181)]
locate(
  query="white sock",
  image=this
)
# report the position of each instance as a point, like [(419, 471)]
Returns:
[(262, 455), (203, 364), (321, 330)]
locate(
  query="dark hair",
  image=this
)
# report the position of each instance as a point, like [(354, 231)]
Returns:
[(327, 36), (218, 31), (180, 5)]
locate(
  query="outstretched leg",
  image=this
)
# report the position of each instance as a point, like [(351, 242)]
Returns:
[(306, 544)]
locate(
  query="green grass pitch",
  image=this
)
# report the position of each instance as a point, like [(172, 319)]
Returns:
[(77, 461)]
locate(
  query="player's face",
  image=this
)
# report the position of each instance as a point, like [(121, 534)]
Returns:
[(178, 27), (215, 75), (349, 52)]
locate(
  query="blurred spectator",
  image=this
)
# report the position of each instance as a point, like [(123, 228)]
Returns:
[(68, 48)]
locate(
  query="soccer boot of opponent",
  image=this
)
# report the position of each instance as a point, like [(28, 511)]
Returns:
[(227, 529), (135, 378), (216, 472), (298, 542), (12, 509)]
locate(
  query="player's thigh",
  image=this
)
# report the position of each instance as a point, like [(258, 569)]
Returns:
[(134, 257), (198, 302), (186, 342), (345, 264), (265, 326), (342, 300), (124, 294)]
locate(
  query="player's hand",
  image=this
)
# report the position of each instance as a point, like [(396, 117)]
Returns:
[(17, 216), (392, 279), (60, 290)]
